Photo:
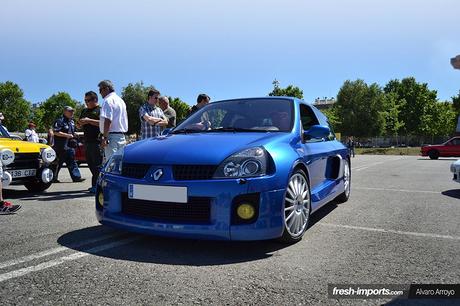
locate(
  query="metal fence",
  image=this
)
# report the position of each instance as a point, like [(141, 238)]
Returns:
[(396, 141)]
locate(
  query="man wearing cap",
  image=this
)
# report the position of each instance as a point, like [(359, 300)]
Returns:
[(65, 144), (31, 135), (113, 122)]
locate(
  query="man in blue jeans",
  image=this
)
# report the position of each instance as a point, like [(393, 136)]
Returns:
[(65, 144), (113, 122)]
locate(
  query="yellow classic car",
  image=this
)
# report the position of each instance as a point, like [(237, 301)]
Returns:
[(25, 163)]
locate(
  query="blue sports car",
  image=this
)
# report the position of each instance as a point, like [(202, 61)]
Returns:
[(242, 169)]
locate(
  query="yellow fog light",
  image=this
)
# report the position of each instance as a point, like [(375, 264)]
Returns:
[(245, 211), (100, 198)]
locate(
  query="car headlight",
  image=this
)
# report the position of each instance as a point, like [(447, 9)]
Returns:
[(115, 163), (247, 163), (48, 155), (6, 157)]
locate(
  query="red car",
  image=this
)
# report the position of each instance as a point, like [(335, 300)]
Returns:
[(448, 149)]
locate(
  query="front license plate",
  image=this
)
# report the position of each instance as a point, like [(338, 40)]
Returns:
[(158, 193), (23, 173)]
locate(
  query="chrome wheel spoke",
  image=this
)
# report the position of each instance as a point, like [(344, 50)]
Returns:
[(290, 216), (289, 208), (297, 205)]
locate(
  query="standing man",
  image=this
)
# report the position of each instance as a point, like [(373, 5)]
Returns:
[(89, 121), (31, 134), (1, 121), (151, 116), (168, 111), (65, 144), (113, 122), (202, 100), (351, 146)]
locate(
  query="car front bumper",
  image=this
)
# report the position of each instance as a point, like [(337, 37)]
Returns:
[(221, 193)]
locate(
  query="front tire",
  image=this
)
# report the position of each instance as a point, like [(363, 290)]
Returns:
[(297, 207), (37, 186), (345, 195), (433, 154)]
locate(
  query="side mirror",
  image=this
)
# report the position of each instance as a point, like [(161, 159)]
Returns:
[(317, 131), (166, 131)]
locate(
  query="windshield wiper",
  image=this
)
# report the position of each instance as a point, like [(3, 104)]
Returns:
[(234, 129), (185, 131)]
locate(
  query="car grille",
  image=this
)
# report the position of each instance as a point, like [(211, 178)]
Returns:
[(25, 161), (196, 210), (193, 172), (134, 170)]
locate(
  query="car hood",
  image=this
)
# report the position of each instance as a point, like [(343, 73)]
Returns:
[(195, 148), (18, 146)]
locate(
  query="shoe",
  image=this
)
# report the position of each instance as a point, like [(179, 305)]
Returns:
[(92, 190), (56, 181), (8, 208), (78, 180)]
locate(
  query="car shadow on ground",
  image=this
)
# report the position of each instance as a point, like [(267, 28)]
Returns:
[(453, 193), (174, 251), (25, 195)]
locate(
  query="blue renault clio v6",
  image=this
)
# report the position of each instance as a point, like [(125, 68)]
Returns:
[(242, 169)]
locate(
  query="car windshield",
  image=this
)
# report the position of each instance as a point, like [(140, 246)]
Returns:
[(245, 115), (3, 132)]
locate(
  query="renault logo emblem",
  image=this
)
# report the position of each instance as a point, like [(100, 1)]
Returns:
[(157, 174)]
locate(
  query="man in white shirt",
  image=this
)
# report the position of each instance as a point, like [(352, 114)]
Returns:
[(30, 133), (113, 121)]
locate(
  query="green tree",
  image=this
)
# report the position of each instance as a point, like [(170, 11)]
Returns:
[(456, 107), (182, 109), (419, 102), (442, 119), (15, 108), (332, 117), (134, 96), (52, 109), (361, 109), (290, 91), (393, 106)]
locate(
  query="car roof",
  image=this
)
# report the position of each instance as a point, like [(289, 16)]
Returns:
[(259, 98)]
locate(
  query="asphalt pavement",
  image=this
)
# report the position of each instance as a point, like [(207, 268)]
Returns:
[(400, 226)]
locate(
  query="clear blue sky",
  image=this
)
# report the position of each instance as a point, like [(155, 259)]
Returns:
[(226, 48)]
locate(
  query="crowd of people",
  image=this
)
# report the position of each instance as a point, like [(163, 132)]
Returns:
[(104, 127)]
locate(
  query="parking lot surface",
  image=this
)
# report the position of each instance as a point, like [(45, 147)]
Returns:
[(400, 226)]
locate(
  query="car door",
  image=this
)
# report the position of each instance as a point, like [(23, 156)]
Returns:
[(316, 151), (452, 148)]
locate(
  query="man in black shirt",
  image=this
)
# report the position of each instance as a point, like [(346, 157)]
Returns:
[(89, 122), (65, 144), (202, 100)]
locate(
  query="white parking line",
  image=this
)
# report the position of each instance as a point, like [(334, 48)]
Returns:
[(400, 190), (60, 260), (381, 230), (31, 257)]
